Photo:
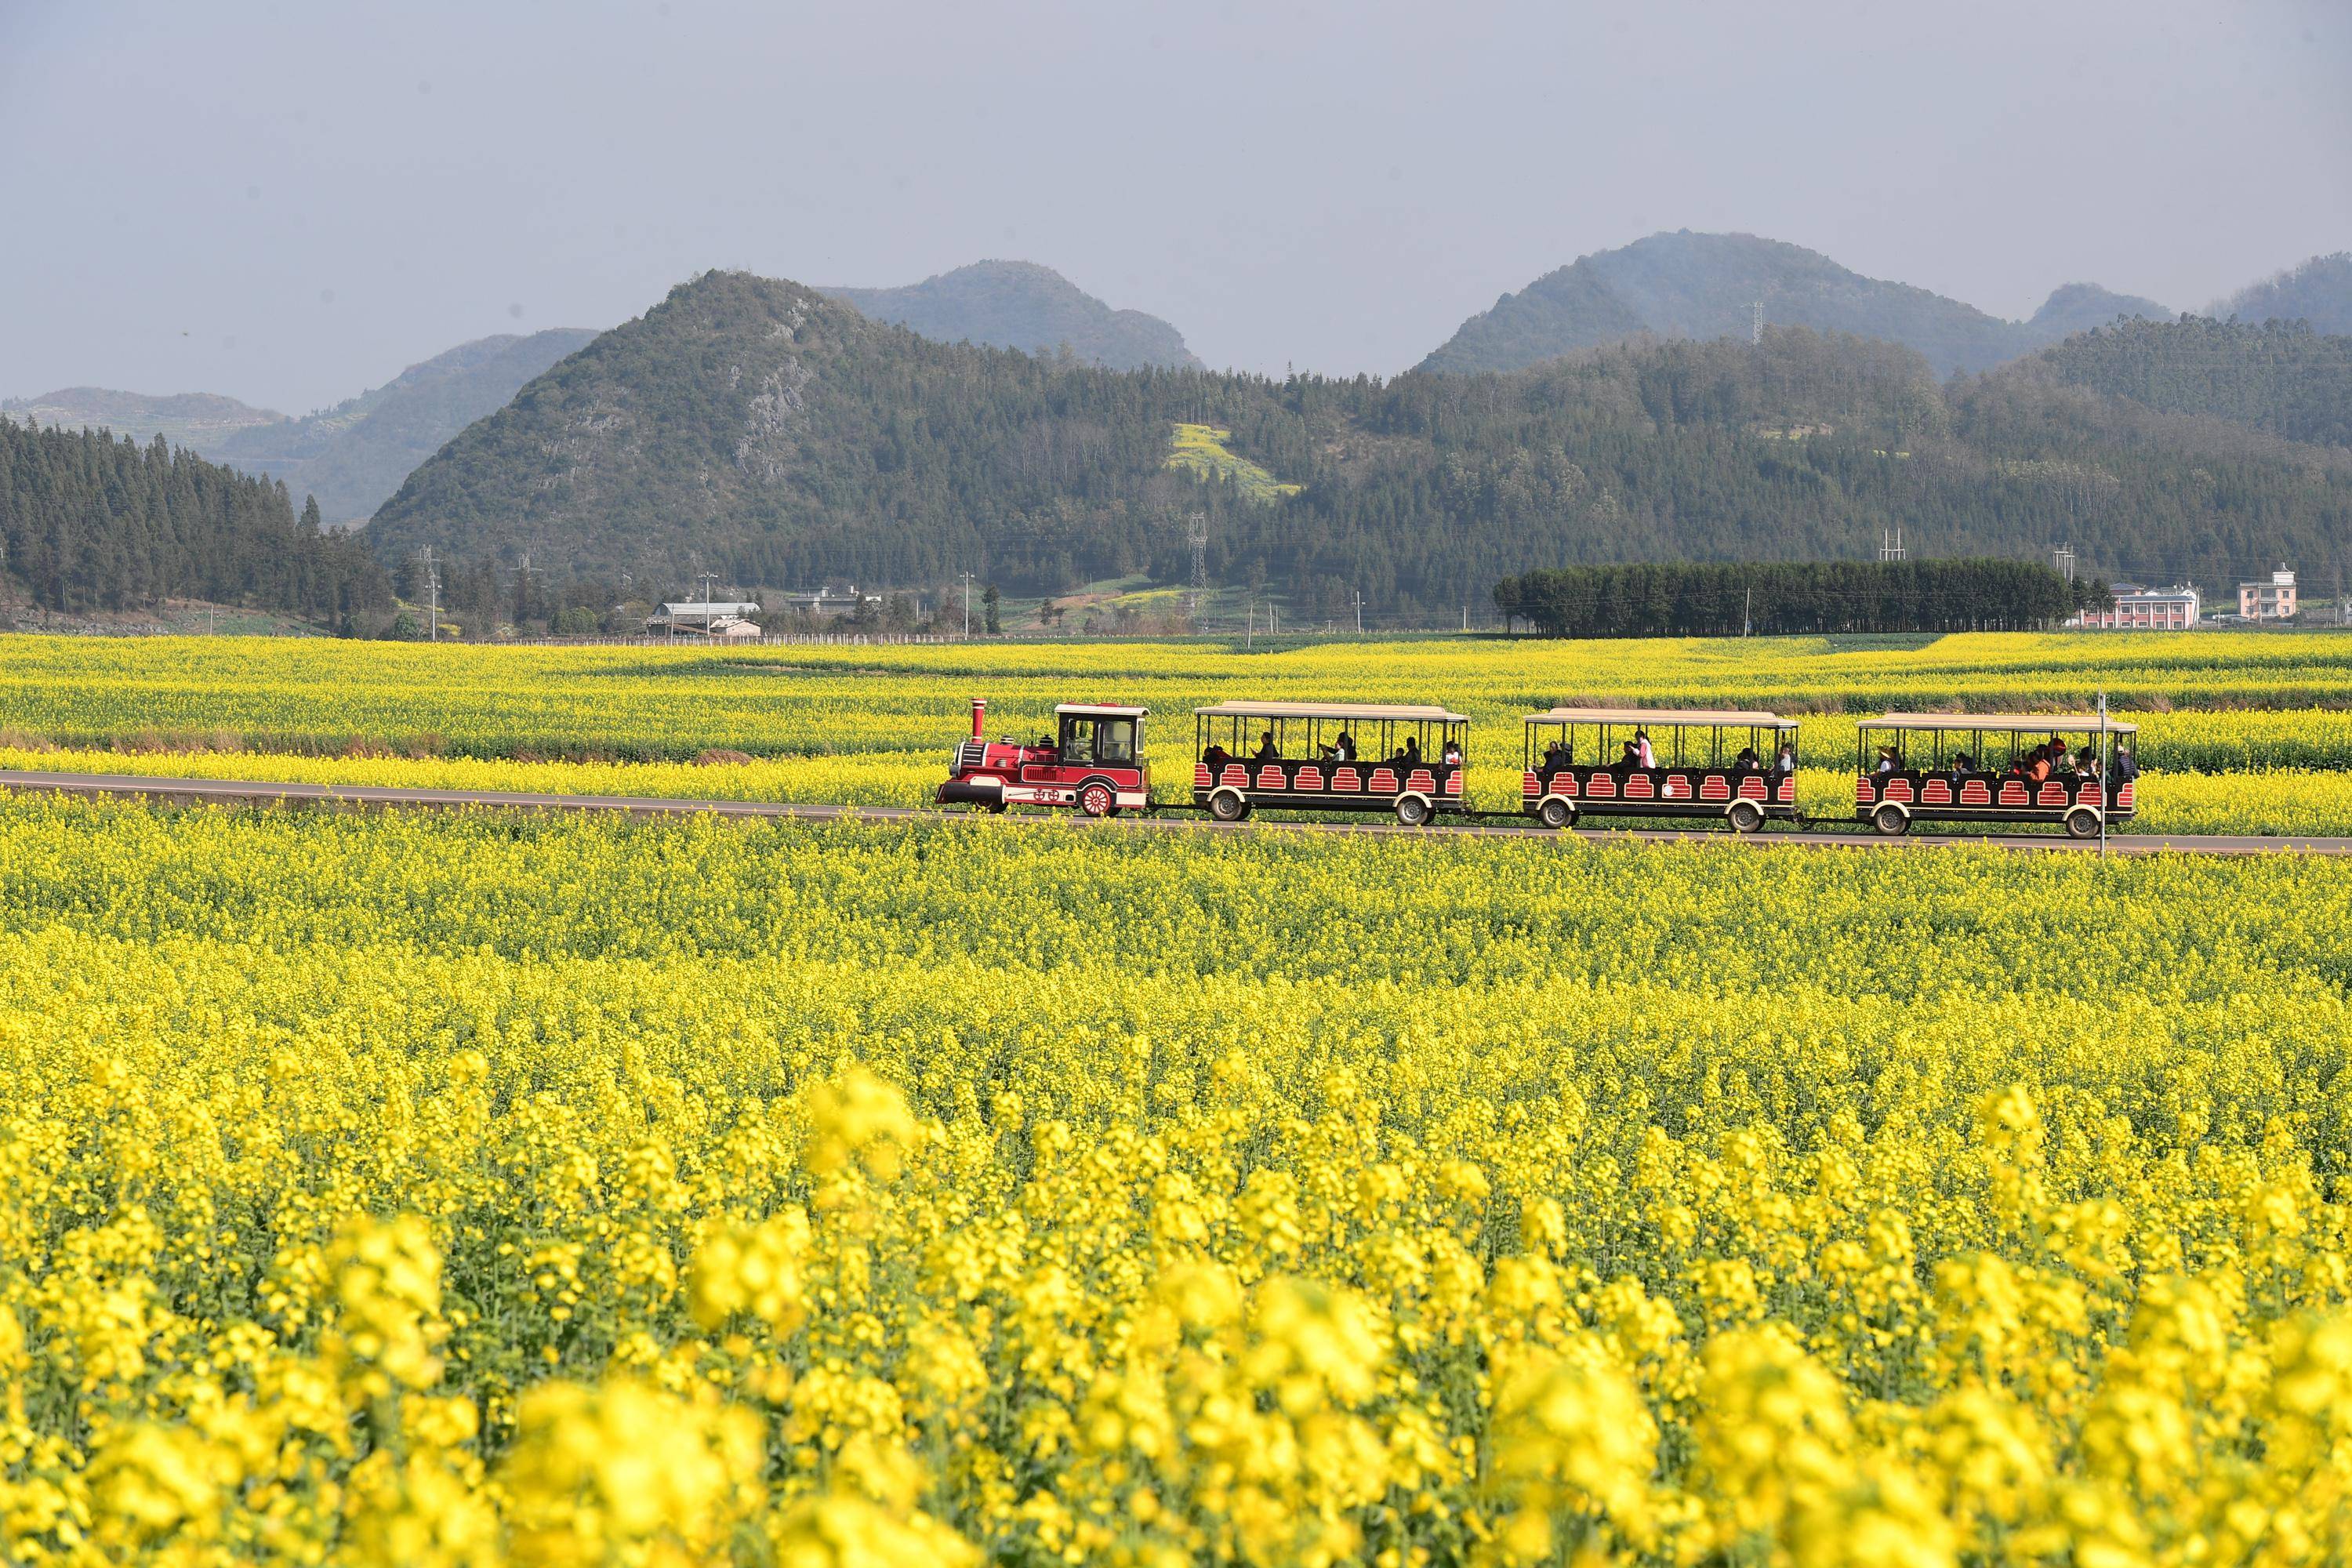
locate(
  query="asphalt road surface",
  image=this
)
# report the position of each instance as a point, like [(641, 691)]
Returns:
[(247, 792)]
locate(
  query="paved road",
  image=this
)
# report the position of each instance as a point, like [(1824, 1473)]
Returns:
[(261, 793)]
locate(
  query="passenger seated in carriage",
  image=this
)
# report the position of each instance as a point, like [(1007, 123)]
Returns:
[(1890, 760), (1266, 751), (1451, 755), (1630, 760), (1556, 757), (1747, 761), (1215, 757)]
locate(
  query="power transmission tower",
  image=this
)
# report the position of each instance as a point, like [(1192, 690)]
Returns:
[(1890, 545), (1197, 534), (2064, 559)]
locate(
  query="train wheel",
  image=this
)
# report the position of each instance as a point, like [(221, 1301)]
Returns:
[(1745, 815), (1556, 813), (1097, 799), (996, 808), (1412, 811), (2081, 823), (1891, 820), (1227, 806)]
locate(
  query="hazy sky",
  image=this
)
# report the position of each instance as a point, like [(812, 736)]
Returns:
[(291, 202)]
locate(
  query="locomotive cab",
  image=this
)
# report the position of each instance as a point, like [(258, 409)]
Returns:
[(1092, 762)]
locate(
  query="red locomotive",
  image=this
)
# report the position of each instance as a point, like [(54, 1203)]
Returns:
[(1095, 763)]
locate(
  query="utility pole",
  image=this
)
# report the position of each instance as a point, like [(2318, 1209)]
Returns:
[(707, 579), (1359, 612), (967, 604), (523, 588), (1249, 638), (1747, 614), (2107, 790), (433, 595), (1756, 323), (1197, 535)]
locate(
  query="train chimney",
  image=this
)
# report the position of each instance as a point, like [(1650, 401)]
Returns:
[(978, 716)]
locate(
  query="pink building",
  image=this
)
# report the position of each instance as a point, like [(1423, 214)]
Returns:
[(2271, 600)]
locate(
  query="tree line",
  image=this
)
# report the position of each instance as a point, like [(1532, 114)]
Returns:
[(89, 523), (1792, 598)]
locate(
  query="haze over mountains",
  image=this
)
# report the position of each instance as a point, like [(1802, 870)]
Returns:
[(1020, 305), (1686, 284), (351, 456)]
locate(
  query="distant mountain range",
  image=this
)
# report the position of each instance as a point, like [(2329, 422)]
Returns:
[(191, 419), (1020, 305), (2318, 291), (1686, 284), (351, 456), (785, 439)]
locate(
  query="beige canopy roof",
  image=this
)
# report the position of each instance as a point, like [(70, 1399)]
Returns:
[(1101, 711), (1360, 713), (2006, 723), (1662, 717)]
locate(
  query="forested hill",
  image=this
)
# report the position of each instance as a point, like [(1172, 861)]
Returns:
[(2319, 292), (2280, 377), (784, 440), (1686, 284), (91, 521), (354, 455), (1020, 305)]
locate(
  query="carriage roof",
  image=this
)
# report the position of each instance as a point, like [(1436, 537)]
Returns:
[(1361, 712), (2006, 723), (1664, 718), (1100, 711)]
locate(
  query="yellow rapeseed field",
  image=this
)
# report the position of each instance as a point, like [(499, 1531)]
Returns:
[(494, 1188), (486, 1188)]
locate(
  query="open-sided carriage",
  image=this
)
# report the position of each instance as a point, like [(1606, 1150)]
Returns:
[(1341, 756), (1990, 767), (1733, 767)]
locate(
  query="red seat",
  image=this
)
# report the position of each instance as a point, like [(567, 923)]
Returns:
[(1235, 774), (2053, 793), (1269, 777), (1383, 782), (1531, 786), (1976, 791), (1309, 778), (1202, 779), (1347, 779), (1753, 788), (1899, 789), (1601, 785), (2014, 792), (1454, 783), (1863, 794), (1422, 782), (1638, 787), (1935, 792), (1714, 786)]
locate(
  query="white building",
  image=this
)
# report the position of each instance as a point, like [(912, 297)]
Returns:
[(2271, 600), (689, 618), (2170, 609)]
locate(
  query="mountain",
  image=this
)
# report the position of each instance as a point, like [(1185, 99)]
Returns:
[(1685, 285), (89, 521), (2318, 291), (196, 419), (2280, 377), (786, 440), (354, 455), (1020, 305)]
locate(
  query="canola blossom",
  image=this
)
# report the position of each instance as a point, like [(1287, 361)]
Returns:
[(482, 1188)]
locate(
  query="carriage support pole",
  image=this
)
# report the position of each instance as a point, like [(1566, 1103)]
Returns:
[(2106, 793)]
